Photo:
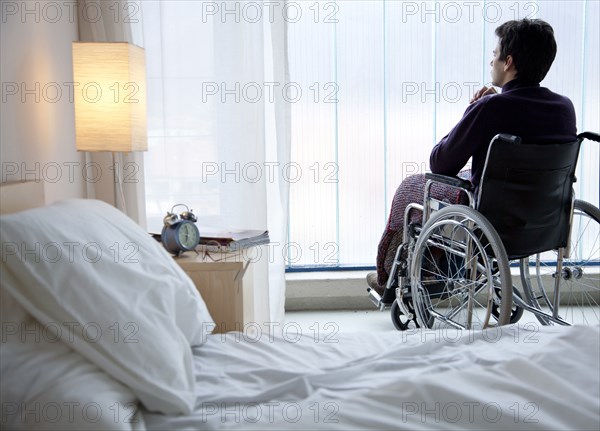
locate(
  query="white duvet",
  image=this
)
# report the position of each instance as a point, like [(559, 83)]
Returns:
[(520, 377), (101, 330)]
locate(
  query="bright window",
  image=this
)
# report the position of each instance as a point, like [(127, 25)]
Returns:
[(373, 85), (381, 82)]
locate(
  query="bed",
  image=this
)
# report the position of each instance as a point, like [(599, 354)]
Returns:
[(102, 330)]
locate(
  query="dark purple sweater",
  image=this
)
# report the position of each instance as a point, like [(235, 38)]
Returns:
[(529, 111)]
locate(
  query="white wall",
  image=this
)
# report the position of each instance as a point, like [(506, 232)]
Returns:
[(37, 131)]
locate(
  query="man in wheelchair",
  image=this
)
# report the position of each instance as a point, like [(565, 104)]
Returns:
[(524, 53)]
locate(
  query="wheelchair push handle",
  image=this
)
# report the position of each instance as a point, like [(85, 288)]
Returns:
[(589, 135)]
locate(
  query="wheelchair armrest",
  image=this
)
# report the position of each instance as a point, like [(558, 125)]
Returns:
[(451, 181)]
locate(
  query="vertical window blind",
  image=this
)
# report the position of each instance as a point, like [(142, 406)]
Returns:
[(377, 83)]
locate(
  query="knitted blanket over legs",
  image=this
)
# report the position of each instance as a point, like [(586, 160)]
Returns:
[(411, 190)]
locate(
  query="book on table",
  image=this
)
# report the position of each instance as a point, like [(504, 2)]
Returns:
[(214, 239)]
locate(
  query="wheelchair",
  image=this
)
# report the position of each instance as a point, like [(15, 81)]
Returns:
[(454, 268)]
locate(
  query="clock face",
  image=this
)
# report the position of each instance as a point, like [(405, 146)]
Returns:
[(188, 235)]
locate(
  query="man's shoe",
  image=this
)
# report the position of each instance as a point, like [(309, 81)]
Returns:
[(372, 282)]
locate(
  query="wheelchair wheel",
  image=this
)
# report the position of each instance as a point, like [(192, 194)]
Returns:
[(579, 287), (401, 321), (458, 264), (516, 312)]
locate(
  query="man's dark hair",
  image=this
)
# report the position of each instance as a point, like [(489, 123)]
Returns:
[(532, 46)]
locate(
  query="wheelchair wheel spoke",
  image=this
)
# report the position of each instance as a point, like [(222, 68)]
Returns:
[(578, 299), (454, 265)]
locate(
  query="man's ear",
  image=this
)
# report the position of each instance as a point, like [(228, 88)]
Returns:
[(509, 63)]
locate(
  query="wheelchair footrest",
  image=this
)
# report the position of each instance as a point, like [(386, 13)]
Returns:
[(378, 300)]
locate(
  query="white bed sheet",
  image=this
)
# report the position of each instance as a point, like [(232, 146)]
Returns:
[(519, 377)]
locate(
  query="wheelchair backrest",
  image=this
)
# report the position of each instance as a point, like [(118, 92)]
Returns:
[(526, 192)]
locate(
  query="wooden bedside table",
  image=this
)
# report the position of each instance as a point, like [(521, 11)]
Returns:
[(225, 281)]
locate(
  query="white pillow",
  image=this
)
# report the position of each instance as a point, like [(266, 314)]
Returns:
[(117, 296), (46, 385)]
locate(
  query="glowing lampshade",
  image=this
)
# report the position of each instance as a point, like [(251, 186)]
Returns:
[(110, 97)]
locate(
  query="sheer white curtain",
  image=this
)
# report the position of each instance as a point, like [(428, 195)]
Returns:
[(219, 126)]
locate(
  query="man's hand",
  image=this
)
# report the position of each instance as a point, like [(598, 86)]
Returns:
[(484, 91)]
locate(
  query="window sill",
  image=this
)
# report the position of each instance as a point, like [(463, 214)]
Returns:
[(327, 290), (347, 290)]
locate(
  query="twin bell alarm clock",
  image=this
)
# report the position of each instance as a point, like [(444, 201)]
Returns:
[(179, 233)]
